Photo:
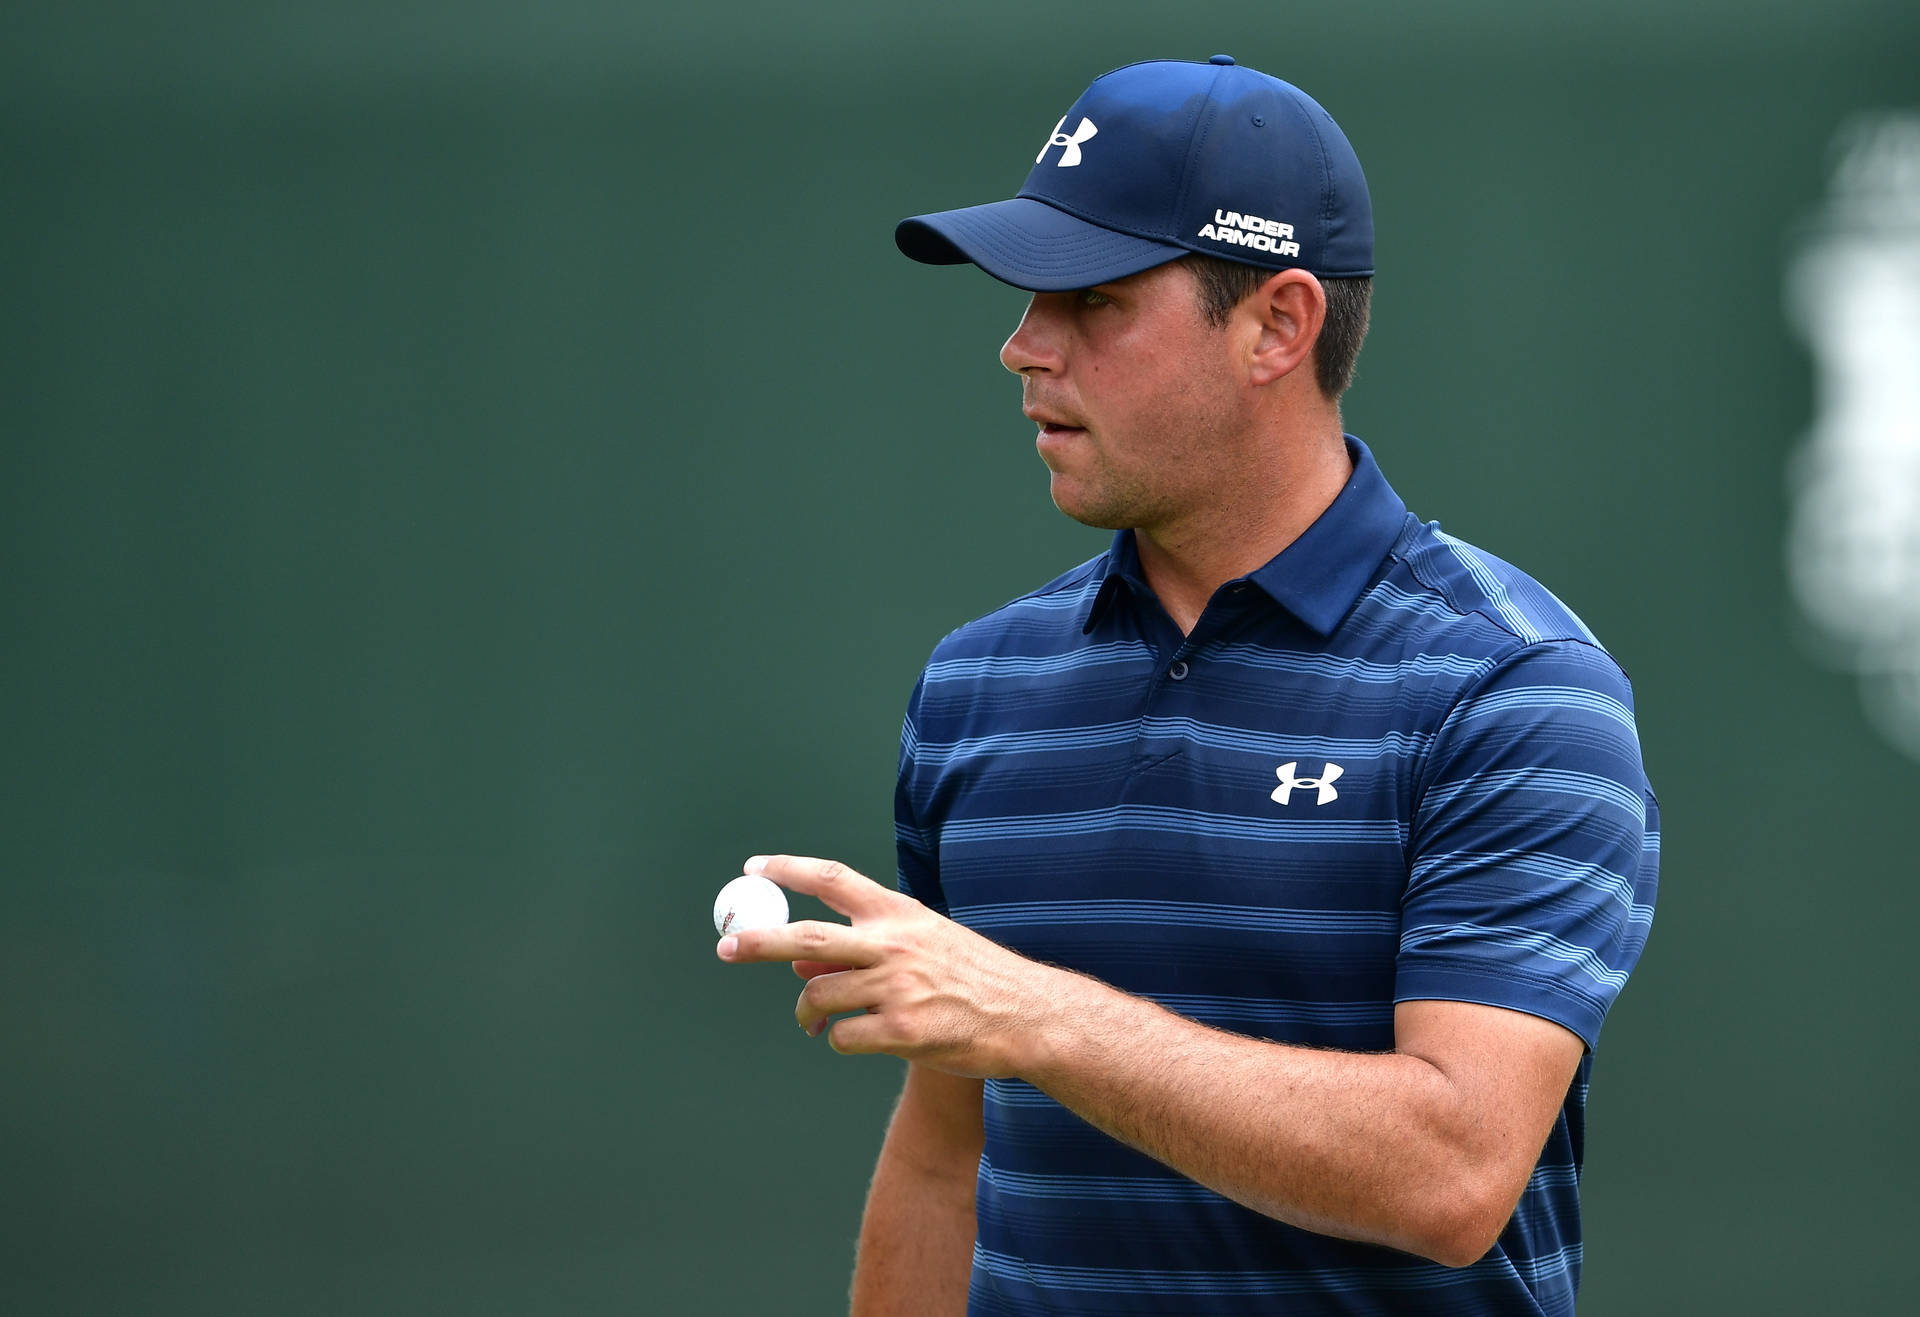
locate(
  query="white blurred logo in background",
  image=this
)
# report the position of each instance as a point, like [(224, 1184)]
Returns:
[(1853, 541)]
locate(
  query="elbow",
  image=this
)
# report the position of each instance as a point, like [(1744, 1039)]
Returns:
[(1464, 1229), (1462, 1223), (1461, 1248)]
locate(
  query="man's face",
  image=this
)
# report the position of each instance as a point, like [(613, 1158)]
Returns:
[(1139, 400)]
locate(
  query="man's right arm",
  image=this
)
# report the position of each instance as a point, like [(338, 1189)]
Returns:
[(916, 1240)]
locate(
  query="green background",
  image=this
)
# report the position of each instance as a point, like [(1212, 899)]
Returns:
[(474, 473)]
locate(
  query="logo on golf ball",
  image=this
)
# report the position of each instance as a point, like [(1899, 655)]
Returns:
[(749, 902)]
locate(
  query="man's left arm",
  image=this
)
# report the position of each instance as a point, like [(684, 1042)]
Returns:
[(1425, 1148)]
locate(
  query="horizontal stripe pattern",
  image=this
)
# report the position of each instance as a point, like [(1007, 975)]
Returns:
[(1405, 1278), (1305, 812), (1181, 914), (1168, 819), (1188, 731)]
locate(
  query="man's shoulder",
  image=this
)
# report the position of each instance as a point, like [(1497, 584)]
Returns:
[(1466, 583), (1040, 621)]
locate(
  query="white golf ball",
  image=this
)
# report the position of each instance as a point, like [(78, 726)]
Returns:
[(749, 901)]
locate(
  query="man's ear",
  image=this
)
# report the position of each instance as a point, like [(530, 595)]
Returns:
[(1289, 309)]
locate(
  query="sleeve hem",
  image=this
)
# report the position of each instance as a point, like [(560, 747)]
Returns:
[(1570, 1014)]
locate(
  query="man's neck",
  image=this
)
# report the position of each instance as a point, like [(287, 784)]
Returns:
[(1254, 520)]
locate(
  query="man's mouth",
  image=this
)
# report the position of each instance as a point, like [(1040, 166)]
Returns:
[(1052, 423)]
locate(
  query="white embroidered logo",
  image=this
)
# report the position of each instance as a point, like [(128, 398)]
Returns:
[(1071, 156), (1323, 784), (1254, 231)]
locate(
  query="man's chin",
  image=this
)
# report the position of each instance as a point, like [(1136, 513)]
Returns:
[(1087, 511)]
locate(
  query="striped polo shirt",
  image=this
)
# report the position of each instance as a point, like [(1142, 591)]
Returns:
[(1386, 766)]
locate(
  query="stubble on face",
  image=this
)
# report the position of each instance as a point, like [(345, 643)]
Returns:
[(1134, 471)]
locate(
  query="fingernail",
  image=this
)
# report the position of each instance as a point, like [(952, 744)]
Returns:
[(728, 945), (813, 1030), (754, 865)]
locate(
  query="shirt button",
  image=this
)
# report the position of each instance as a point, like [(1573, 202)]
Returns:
[(1179, 670)]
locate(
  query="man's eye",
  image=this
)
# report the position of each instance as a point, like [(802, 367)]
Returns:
[(1090, 298)]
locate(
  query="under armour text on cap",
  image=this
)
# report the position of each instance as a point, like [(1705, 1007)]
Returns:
[(1163, 158)]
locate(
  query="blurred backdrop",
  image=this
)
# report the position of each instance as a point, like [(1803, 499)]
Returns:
[(476, 472)]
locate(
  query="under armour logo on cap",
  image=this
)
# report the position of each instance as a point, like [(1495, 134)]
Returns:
[(1323, 784), (1071, 156)]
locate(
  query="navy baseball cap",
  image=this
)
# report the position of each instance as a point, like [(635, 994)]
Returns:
[(1163, 158)]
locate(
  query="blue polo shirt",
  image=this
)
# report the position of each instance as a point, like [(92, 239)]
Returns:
[(1384, 767)]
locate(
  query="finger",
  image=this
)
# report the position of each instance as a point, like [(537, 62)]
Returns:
[(847, 891), (863, 1035), (812, 969), (835, 994), (808, 939)]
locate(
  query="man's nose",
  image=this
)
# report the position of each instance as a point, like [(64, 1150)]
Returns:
[(1036, 342)]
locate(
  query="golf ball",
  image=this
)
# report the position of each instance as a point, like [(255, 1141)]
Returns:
[(749, 901)]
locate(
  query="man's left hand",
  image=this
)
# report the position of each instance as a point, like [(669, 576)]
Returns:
[(932, 991)]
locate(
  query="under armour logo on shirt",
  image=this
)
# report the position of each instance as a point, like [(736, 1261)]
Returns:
[(1323, 783), (1071, 156)]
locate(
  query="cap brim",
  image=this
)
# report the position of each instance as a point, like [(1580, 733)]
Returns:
[(1030, 245)]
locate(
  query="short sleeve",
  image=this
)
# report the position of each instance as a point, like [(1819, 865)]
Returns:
[(916, 848), (1535, 843)]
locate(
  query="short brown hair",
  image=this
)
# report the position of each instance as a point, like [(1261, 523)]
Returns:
[(1226, 284)]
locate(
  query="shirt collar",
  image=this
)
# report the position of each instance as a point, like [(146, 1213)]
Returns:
[(1320, 575)]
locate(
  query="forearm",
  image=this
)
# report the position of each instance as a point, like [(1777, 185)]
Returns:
[(1370, 1146), (916, 1239)]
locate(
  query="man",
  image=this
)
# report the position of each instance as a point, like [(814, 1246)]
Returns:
[(1265, 880)]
